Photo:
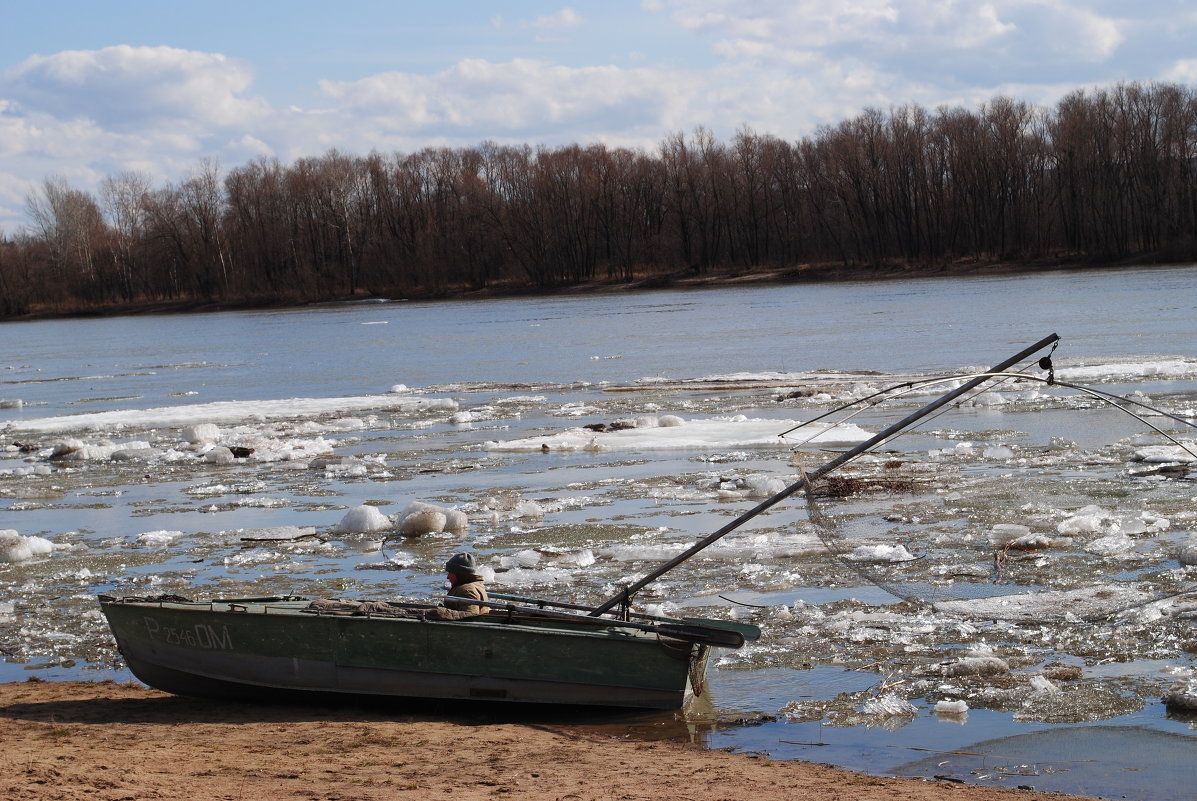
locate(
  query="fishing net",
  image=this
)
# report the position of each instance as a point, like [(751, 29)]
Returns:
[(984, 531)]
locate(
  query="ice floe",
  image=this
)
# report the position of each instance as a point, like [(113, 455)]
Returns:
[(1094, 519), (426, 518), (363, 519), (193, 415), (975, 666), (718, 432), (1014, 535), (944, 707), (880, 553), (1168, 454), (15, 547), (201, 432), (1182, 698), (271, 534), (749, 486), (157, 539), (495, 509), (887, 706), (75, 450), (1049, 605), (1127, 371)]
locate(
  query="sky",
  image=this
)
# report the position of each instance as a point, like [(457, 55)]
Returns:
[(90, 89)]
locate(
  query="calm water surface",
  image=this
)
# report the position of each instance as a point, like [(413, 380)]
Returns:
[(893, 327)]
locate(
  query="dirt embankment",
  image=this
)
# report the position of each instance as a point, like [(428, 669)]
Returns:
[(69, 741)]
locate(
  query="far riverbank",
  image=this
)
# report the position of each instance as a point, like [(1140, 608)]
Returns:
[(687, 279)]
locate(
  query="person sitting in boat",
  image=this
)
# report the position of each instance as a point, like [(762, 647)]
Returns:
[(464, 582)]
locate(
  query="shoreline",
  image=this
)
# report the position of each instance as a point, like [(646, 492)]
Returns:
[(70, 741), (713, 279)]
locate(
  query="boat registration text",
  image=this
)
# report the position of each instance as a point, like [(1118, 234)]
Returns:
[(201, 635)]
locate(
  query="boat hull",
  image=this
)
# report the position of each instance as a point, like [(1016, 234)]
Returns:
[(259, 648)]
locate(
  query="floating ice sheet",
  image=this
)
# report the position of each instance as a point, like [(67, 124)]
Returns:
[(1128, 371), (226, 412), (718, 432), (1050, 605)]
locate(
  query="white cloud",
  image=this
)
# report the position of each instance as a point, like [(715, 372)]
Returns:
[(85, 114), (565, 18), (959, 39), (13, 191), (1068, 32), (801, 23), (1182, 71), (123, 87), (478, 99), (538, 102), (780, 66)]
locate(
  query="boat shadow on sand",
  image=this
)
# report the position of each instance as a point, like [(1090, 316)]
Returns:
[(103, 707)]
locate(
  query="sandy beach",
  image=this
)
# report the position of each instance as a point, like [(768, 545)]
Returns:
[(79, 740)]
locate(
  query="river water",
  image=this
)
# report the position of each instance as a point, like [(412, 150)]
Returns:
[(1020, 557)]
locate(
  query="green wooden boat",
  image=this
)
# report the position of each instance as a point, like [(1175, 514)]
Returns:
[(522, 651)]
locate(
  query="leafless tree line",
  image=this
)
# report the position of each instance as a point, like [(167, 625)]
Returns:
[(1107, 174)]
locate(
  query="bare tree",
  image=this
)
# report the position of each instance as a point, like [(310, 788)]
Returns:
[(202, 203), (1106, 173), (69, 223), (123, 197)]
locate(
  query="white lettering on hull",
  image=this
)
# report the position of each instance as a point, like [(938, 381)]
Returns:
[(201, 635)]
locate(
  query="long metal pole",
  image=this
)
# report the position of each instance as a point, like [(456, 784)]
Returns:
[(813, 476)]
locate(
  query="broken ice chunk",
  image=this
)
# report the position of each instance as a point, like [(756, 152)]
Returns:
[(17, 548), (975, 666), (880, 553), (950, 707), (363, 518), (888, 706), (1182, 698), (201, 433)]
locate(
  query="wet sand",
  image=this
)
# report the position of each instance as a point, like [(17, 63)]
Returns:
[(80, 740)]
